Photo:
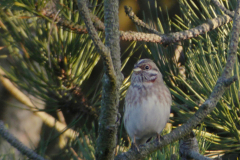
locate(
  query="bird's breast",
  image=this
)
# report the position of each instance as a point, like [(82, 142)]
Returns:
[(146, 117)]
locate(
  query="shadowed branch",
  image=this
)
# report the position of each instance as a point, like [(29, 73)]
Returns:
[(17, 144), (188, 148)]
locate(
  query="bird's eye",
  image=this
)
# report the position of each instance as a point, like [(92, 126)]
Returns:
[(146, 67)]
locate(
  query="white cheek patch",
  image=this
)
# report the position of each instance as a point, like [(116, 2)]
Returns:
[(154, 72), (137, 69)]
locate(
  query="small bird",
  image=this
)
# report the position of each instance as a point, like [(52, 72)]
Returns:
[(147, 103)]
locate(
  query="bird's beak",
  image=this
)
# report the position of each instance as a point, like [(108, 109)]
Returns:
[(136, 69)]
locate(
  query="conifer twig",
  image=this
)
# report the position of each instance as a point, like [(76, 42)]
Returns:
[(138, 21), (225, 10), (17, 144)]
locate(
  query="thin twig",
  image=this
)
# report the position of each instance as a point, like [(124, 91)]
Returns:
[(225, 10), (61, 21), (138, 21), (75, 154), (17, 144)]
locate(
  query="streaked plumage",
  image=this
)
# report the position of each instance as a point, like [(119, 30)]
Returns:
[(147, 103)]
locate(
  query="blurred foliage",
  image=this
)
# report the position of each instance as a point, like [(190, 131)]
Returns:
[(53, 61)]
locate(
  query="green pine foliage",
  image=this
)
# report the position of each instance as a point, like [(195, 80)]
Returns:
[(53, 64), (54, 61)]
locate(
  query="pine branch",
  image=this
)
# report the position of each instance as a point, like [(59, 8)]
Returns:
[(138, 21), (108, 120), (109, 117), (165, 39), (225, 10), (195, 155), (17, 144), (188, 148), (206, 108), (102, 49)]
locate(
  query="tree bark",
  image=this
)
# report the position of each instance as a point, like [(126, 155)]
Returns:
[(108, 120)]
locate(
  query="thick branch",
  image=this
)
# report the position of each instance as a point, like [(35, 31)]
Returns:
[(230, 80), (102, 49), (197, 156), (167, 39), (17, 144), (188, 148), (206, 108), (109, 120), (108, 124)]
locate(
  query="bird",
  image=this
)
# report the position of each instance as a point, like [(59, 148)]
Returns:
[(147, 103)]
